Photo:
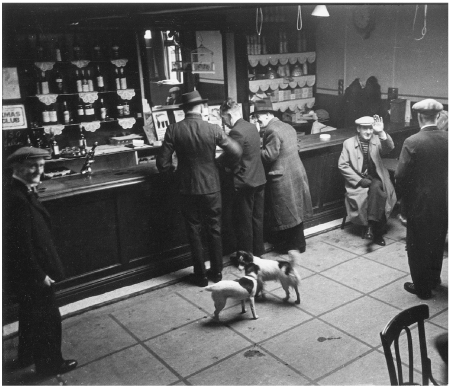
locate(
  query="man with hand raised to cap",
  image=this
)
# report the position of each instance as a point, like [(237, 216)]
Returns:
[(194, 141), (32, 265), (370, 195), (422, 182)]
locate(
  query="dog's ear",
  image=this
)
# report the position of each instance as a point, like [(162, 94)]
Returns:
[(257, 268)]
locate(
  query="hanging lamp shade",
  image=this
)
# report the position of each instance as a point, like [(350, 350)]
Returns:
[(321, 11)]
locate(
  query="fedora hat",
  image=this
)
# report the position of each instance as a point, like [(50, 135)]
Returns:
[(263, 106), (192, 98)]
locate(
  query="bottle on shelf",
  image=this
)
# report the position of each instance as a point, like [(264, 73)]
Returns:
[(82, 144), (55, 150), (58, 57), (76, 48), (120, 108), (89, 112), (78, 81), (84, 82), (103, 110), (38, 83), (66, 113), (80, 110), (45, 116), (96, 52), (44, 84), (100, 80), (123, 79), (126, 108), (59, 83), (115, 51), (117, 78), (29, 144), (90, 81), (305, 68), (39, 49), (53, 114)]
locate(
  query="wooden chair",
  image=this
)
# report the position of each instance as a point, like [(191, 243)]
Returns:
[(390, 335)]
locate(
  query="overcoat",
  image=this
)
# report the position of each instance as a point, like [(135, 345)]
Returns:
[(287, 180), (29, 252), (350, 165)]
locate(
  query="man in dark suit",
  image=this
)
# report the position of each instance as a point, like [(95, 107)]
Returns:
[(422, 182), (32, 265), (194, 141), (248, 179)]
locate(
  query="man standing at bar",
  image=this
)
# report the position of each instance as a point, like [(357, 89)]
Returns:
[(288, 184), (32, 265), (194, 141), (422, 181), (248, 181)]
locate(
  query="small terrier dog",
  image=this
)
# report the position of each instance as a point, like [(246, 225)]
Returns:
[(271, 270), (242, 288)]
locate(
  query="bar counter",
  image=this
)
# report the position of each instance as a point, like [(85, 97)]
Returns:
[(123, 225)]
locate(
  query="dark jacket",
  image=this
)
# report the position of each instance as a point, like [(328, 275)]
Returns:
[(29, 252), (194, 141), (287, 180), (422, 176), (249, 172)]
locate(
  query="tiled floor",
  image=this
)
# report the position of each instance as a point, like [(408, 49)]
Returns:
[(350, 290)]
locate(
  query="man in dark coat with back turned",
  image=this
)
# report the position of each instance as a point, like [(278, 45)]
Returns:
[(194, 141), (32, 265), (422, 182)]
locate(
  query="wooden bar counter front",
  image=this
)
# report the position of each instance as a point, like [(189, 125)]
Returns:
[(121, 226)]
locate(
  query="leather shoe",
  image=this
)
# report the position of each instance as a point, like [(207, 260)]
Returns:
[(215, 277), (379, 240), (410, 287), (369, 233), (65, 366), (198, 280)]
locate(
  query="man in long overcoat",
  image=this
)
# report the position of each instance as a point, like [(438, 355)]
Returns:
[(32, 265), (422, 181), (370, 195), (287, 180)]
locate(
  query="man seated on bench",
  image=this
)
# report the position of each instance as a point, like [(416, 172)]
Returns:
[(370, 195)]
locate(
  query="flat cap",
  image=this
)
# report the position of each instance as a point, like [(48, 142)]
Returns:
[(24, 153), (365, 121), (428, 107), (174, 89)]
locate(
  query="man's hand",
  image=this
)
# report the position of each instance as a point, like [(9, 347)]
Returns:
[(48, 281), (365, 182), (378, 125)]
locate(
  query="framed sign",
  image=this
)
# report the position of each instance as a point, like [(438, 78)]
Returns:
[(161, 122), (10, 84), (14, 117), (179, 115)]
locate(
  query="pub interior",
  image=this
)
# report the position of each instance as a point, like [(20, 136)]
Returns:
[(81, 77)]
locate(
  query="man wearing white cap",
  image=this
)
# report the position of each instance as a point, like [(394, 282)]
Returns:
[(422, 182), (370, 195)]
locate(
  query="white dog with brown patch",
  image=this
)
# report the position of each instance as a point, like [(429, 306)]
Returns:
[(272, 270), (243, 288)]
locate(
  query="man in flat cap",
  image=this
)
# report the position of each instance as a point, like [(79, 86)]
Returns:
[(370, 195), (422, 182), (32, 265), (174, 96), (194, 141)]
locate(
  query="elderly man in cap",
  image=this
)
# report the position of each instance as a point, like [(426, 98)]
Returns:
[(194, 141), (174, 96), (32, 265), (287, 181), (370, 195), (422, 182)]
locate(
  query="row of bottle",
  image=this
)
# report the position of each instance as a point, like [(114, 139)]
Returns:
[(280, 71), (59, 52), (84, 80), (86, 112), (257, 44)]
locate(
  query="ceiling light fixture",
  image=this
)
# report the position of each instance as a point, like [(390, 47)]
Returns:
[(321, 11)]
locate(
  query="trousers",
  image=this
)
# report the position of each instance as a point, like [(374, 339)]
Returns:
[(202, 214), (248, 219), (40, 330), (377, 199), (292, 238)]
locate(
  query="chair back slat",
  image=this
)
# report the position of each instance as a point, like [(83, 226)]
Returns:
[(398, 362), (410, 350)]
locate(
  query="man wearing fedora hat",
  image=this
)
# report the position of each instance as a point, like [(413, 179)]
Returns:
[(370, 195), (289, 191), (32, 265), (194, 141), (422, 181)]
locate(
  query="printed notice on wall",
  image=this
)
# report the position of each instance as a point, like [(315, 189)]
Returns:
[(14, 117), (179, 115), (161, 122), (10, 84)]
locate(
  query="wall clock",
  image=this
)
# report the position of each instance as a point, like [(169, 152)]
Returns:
[(363, 20)]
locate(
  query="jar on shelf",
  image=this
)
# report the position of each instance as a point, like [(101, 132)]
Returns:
[(297, 70), (271, 74)]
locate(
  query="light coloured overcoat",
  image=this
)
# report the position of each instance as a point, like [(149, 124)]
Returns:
[(287, 180), (350, 164)]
